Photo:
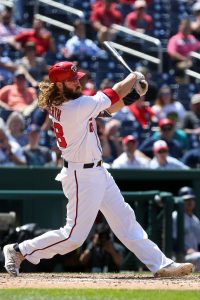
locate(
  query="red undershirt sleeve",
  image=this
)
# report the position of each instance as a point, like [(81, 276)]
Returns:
[(111, 94)]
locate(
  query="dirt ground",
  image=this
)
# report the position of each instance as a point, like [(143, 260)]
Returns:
[(105, 280)]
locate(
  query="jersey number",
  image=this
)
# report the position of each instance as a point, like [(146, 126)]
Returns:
[(59, 135)]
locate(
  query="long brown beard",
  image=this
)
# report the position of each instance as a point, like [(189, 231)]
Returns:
[(69, 94)]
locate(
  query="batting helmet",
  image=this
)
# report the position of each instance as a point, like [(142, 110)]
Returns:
[(63, 71)]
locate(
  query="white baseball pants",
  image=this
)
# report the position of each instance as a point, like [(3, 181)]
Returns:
[(88, 191)]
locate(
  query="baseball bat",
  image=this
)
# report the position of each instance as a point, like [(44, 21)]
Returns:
[(116, 54), (119, 58)]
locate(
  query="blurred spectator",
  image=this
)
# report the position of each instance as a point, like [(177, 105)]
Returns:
[(16, 125), (17, 96), (106, 83), (79, 46), (191, 227), (124, 114), (102, 17), (10, 151), (195, 23), (112, 130), (162, 160), (166, 128), (191, 121), (165, 105), (139, 20), (131, 157), (7, 68), (34, 65), (39, 35), (35, 154), (191, 158), (143, 113), (179, 47), (179, 135), (132, 1), (136, 118), (21, 15), (102, 254), (8, 28)]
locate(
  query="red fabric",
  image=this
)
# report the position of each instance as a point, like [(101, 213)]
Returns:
[(114, 97), (41, 43), (132, 21), (143, 115), (106, 17)]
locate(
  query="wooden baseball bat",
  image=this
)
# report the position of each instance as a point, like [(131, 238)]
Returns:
[(116, 54), (108, 46)]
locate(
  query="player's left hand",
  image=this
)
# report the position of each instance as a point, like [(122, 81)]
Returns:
[(141, 87)]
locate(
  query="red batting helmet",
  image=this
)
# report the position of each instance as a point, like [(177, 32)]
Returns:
[(63, 71)]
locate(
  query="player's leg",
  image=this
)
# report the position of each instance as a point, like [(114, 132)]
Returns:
[(122, 221), (84, 201)]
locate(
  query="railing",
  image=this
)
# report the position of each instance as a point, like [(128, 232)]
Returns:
[(136, 53), (60, 6), (147, 38), (190, 72), (55, 22), (8, 3)]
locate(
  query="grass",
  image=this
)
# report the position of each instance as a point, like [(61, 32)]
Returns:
[(98, 294)]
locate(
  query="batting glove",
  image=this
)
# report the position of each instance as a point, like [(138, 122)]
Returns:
[(141, 87), (139, 75)]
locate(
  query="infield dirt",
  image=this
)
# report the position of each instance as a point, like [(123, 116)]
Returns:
[(95, 281)]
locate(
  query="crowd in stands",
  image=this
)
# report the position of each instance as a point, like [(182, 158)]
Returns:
[(157, 131)]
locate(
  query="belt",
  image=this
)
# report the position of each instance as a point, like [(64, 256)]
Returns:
[(86, 166)]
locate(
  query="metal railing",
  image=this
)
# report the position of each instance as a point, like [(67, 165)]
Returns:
[(190, 72), (8, 3), (136, 53), (55, 22), (60, 6), (147, 38)]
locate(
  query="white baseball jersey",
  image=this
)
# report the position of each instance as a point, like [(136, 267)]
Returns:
[(75, 127)]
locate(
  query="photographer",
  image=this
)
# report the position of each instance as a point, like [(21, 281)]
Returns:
[(102, 254)]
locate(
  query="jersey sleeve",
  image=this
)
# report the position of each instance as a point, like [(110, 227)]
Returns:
[(92, 106)]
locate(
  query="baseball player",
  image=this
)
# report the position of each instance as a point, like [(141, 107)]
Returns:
[(88, 186)]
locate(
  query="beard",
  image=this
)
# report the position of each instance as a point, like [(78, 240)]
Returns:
[(69, 94)]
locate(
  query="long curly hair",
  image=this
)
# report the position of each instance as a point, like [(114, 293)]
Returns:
[(49, 95)]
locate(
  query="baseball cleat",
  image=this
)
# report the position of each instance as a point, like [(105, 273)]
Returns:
[(13, 260), (175, 270)]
